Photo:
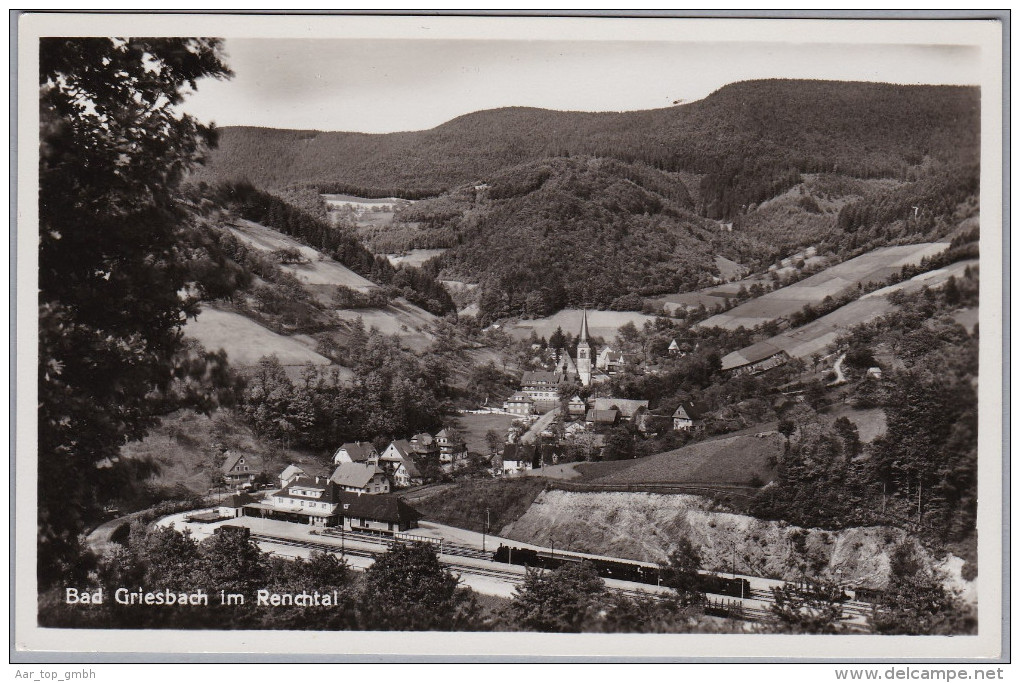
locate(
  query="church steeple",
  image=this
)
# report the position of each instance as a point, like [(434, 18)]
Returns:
[(584, 352)]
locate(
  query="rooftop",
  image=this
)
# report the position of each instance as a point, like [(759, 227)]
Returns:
[(354, 474)]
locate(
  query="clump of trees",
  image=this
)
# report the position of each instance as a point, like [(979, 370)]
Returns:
[(924, 467), (393, 393)]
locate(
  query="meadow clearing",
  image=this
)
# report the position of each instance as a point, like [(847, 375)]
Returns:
[(815, 337), (875, 266), (318, 269), (245, 341), (733, 459)]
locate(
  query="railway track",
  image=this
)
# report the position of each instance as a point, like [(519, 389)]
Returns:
[(736, 607)]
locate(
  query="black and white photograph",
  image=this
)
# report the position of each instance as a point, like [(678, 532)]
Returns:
[(509, 336)]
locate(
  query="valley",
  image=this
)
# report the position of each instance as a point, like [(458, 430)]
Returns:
[(738, 335)]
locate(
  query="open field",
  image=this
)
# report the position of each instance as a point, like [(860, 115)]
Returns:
[(600, 323), (875, 266), (870, 422), (968, 317), (728, 269), (362, 202), (731, 459), (319, 270), (245, 341), (807, 340), (414, 257), (474, 426), (401, 318)]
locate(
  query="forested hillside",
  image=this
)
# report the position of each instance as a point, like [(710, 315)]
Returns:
[(569, 231), (415, 285), (747, 142)]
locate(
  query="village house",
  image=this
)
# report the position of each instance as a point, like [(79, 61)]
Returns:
[(359, 452), (359, 477), (613, 362), (398, 463), (424, 445), (289, 474), (520, 404), (237, 470), (517, 459), (452, 450), (687, 417), (625, 406), (576, 406)]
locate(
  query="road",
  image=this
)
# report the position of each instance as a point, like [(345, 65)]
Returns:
[(541, 424)]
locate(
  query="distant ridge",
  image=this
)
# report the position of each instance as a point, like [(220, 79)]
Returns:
[(746, 140)]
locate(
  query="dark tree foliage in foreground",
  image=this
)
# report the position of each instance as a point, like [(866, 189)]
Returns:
[(680, 572), (917, 602), (407, 589), (807, 608), (112, 258), (559, 601)]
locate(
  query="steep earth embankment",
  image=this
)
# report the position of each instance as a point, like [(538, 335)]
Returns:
[(645, 526)]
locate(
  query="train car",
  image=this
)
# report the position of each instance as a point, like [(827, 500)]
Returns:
[(720, 585)]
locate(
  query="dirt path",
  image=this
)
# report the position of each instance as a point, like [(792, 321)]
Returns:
[(838, 369)]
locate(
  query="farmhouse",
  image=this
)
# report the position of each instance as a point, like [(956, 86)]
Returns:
[(290, 473), (520, 404), (359, 451), (625, 406), (397, 462), (754, 359), (358, 477), (687, 417), (452, 450), (602, 418), (237, 470)]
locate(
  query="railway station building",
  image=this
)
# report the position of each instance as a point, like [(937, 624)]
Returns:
[(320, 502)]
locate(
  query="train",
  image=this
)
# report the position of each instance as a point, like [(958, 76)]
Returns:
[(616, 569)]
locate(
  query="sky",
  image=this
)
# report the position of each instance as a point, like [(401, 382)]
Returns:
[(380, 85)]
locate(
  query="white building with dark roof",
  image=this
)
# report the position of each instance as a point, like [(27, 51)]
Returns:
[(358, 477), (357, 451), (237, 469), (398, 463)]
